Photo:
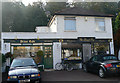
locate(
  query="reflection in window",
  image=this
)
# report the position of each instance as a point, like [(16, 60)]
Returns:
[(101, 48), (71, 52), (26, 51)]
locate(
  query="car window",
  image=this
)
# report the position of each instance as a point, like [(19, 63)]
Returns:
[(109, 58), (23, 62), (95, 58)]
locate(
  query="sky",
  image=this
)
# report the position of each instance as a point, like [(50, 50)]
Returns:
[(26, 2)]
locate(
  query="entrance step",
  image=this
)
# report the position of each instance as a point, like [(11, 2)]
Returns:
[(49, 70)]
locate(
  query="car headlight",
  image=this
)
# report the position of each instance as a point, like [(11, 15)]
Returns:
[(35, 75), (13, 77)]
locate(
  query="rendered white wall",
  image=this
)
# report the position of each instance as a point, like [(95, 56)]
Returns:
[(53, 27), (85, 28), (56, 53), (42, 29)]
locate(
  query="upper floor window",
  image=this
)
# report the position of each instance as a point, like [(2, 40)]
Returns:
[(70, 24), (100, 24)]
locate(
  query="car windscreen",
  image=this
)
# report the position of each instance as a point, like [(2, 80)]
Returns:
[(23, 62), (109, 58)]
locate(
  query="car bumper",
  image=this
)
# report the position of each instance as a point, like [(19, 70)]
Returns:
[(113, 71), (31, 80)]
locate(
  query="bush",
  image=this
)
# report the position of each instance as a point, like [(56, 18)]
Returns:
[(39, 57), (8, 55), (40, 53)]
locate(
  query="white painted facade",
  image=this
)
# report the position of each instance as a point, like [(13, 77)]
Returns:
[(56, 53), (84, 28)]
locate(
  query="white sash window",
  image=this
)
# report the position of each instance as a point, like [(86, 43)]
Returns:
[(100, 24), (70, 24)]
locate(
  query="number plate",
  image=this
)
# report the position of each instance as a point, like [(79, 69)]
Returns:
[(23, 81), (118, 65)]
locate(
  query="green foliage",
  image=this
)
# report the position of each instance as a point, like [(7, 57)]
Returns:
[(53, 7), (3, 58), (40, 53), (8, 55), (117, 22), (20, 18), (101, 49)]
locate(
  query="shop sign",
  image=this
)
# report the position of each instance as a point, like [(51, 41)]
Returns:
[(86, 39), (27, 41)]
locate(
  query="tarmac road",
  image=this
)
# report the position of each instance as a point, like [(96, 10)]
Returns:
[(75, 76)]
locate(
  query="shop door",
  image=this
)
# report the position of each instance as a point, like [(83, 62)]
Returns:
[(86, 52), (48, 57)]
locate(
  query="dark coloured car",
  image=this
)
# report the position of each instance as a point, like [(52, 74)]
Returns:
[(23, 70), (103, 65)]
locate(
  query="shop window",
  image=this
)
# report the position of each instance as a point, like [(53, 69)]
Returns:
[(70, 24), (26, 51), (101, 48), (71, 52), (100, 24)]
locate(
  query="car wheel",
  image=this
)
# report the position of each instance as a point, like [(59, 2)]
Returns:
[(85, 68), (101, 73)]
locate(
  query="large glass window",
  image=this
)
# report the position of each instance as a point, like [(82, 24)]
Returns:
[(26, 51), (101, 48), (71, 51), (100, 24), (70, 24)]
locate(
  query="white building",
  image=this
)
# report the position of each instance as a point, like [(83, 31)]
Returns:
[(72, 34)]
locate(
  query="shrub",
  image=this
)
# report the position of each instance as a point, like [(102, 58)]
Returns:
[(8, 55)]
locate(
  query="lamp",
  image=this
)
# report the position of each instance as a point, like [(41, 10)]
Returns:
[(37, 37), (86, 18)]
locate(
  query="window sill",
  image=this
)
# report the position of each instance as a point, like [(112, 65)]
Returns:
[(101, 31), (70, 31)]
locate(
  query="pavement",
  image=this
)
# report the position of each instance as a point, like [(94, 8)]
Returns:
[(73, 76)]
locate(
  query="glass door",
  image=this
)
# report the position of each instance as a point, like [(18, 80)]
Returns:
[(48, 57)]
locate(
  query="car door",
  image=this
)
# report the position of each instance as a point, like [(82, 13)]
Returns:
[(93, 64)]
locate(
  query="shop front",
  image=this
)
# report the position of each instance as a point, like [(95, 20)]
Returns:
[(80, 49), (31, 48), (83, 49)]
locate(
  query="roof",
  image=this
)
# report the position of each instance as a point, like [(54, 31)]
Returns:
[(77, 11)]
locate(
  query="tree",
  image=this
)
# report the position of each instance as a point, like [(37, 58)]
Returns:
[(117, 22), (53, 7), (20, 18)]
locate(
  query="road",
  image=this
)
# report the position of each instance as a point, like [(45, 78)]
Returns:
[(73, 76)]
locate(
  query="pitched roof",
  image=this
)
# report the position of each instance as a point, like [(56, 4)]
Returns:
[(77, 11)]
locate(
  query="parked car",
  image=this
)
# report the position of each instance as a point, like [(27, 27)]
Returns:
[(23, 70), (103, 65)]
